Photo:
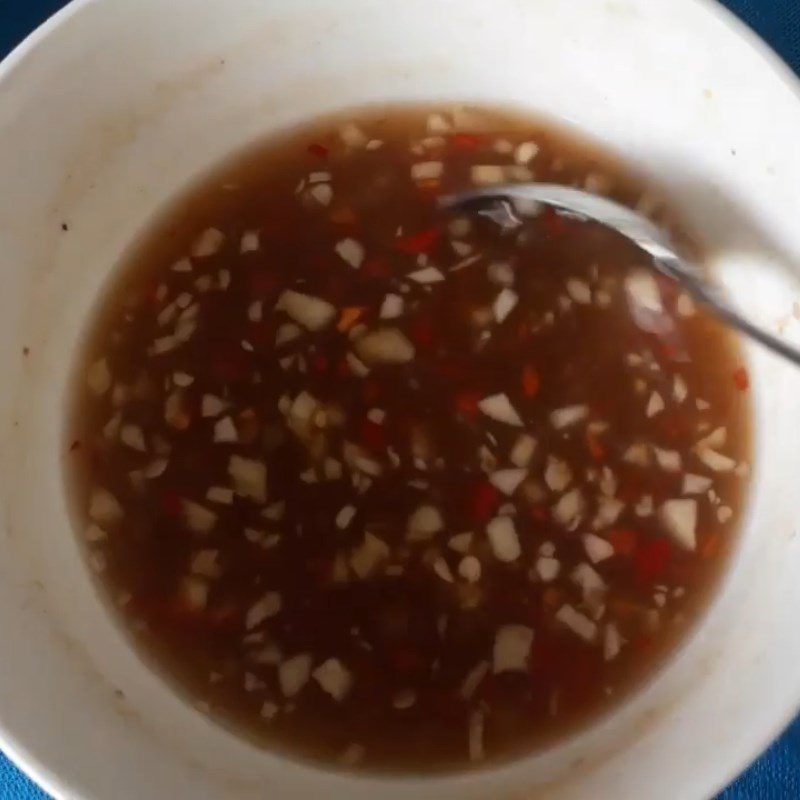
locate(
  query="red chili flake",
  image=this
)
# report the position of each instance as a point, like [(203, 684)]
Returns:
[(531, 382), (467, 403), (632, 488), (540, 513), (454, 370), (671, 351), (172, 504), (229, 363), (377, 267), (225, 617), (422, 332), (554, 223), (741, 380), (264, 283), (349, 317), (447, 706), (343, 369), (151, 294), (670, 426), (624, 541), (419, 243), (372, 391), (406, 659), (466, 141), (596, 449), (652, 560), (544, 661), (485, 499), (320, 363), (373, 435), (320, 570), (642, 644), (711, 546), (318, 150)]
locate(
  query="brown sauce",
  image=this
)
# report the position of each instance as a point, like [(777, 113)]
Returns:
[(387, 488)]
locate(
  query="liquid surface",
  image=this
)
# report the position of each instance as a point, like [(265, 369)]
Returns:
[(393, 489)]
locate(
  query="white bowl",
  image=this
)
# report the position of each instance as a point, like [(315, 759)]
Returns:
[(113, 105)]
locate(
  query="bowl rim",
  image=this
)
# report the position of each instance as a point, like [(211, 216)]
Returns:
[(32, 764)]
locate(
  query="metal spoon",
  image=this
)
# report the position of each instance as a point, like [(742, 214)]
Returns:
[(506, 206)]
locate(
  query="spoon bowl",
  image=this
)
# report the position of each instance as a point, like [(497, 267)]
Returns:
[(509, 204)]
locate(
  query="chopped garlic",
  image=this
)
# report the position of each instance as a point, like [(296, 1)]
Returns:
[(206, 564), (523, 450), (679, 517), (579, 291), (104, 508), (334, 679), (99, 377), (608, 511), (220, 494), (461, 542), (225, 430), (249, 478), (668, 460), (424, 523), (716, 461), (476, 727), (568, 510), (385, 346), (208, 243), (557, 474), (597, 549), (366, 558), (426, 275), (612, 642), (547, 568), (313, 313), (508, 480), (512, 648), (263, 609), (579, 624), (470, 569), (322, 193), (487, 174), (498, 407), (351, 252), (570, 415), (294, 674), (249, 242), (696, 484), (655, 405), (442, 569), (212, 406), (504, 304), (392, 306), (198, 518), (526, 152), (133, 437), (637, 454), (345, 517), (503, 538), (427, 171)]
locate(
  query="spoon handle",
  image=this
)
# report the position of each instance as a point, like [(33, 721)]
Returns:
[(502, 205), (711, 297)]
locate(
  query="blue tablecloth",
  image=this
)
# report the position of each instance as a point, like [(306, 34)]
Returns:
[(776, 775)]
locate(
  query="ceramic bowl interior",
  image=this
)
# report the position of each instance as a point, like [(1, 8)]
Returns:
[(114, 106)]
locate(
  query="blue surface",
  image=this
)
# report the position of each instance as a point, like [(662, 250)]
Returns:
[(776, 775)]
